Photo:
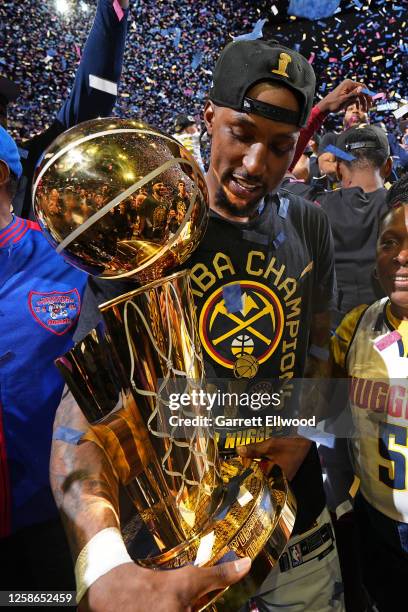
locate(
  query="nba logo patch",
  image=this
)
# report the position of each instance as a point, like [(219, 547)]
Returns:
[(57, 311), (296, 555)]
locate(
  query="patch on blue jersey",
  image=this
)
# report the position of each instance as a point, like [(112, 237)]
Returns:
[(57, 311)]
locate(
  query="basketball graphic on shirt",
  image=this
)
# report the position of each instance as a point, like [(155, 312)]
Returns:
[(243, 339), (242, 344), (246, 366)]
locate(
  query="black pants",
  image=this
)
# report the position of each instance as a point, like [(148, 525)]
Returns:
[(37, 558), (384, 556)]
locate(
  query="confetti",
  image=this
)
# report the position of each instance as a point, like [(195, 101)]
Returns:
[(171, 54), (196, 61), (283, 208), (103, 85), (280, 239), (401, 112), (387, 340), (256, 32), (177, 37), (232, 295), (311, 9), (387, 106), (118, 10)]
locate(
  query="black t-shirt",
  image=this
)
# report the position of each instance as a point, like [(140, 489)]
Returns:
[(283, 263), (354, 217)]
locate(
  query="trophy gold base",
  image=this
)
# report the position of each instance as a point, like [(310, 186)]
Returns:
[(255, 519)]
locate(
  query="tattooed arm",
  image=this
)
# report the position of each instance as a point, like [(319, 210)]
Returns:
[(85, 488), (83, 482)]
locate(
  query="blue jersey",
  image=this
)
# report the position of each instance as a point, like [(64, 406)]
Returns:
[(40, 300)]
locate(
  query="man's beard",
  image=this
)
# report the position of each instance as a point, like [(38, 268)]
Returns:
[(222, 202)]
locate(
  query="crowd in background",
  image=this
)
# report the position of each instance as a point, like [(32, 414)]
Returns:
[(172, 47)]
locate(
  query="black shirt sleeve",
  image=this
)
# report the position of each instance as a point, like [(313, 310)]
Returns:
[(97, 292), (324, 290)]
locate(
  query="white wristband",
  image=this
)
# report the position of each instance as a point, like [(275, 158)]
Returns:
[(102, 553)]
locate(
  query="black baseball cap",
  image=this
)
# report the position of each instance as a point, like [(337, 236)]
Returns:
[(244, 63), (327, 139), (182, 122), (363, 136)]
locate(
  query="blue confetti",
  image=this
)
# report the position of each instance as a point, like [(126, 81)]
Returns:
[(313, 10), (197, 59), (280, 239), (177, 37), (256, 32), (67, 434), (229, 556), (283, 207), (232, 295)]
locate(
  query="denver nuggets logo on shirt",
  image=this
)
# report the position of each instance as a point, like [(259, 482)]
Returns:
[(243, 339), (56, 311)]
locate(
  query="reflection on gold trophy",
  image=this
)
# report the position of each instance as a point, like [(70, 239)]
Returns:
[(108, 195)]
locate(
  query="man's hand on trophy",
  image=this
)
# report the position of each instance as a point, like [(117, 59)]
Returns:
[(288, 453), (131, 588)]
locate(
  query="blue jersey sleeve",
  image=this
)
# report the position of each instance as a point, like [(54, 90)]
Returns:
[(102, 61)]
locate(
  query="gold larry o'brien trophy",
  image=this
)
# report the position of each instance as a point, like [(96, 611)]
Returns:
[(117, 199)]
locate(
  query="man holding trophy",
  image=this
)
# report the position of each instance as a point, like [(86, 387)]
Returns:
[(262, 278)]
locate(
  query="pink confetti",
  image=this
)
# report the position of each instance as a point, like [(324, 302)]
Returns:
[(333, 60), (379, 96), (388, 340), (311, 58), (118, 10), (77, 50)]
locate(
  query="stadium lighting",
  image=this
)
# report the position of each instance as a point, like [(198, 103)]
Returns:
[(62, 6), (84, 6)]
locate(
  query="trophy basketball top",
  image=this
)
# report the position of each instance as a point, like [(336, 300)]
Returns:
[(118, 198)]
